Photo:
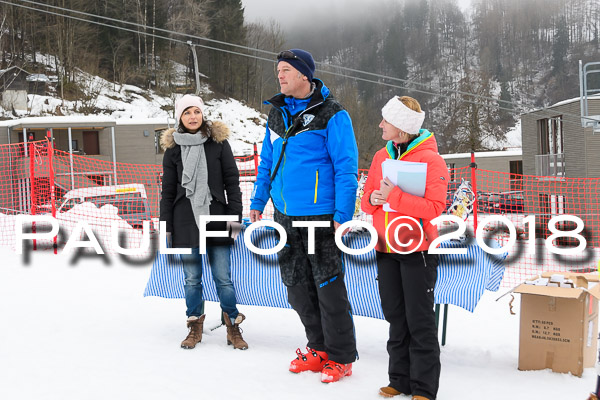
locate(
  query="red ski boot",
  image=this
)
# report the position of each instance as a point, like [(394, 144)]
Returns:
[(313, 361), (333, 372)]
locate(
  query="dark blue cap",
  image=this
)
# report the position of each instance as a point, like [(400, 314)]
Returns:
[(299, 59)]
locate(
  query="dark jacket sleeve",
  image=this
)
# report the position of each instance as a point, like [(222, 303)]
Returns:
[(169, 189), (231, 181)]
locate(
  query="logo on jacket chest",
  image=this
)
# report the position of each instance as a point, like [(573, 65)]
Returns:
[(307, 119)]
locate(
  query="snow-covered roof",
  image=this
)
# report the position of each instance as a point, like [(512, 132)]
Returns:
[(78, 121), (486, 154), (2, 71), (60, 122), (563, 102), (38, 78)]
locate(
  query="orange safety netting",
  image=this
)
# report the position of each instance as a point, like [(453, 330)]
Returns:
[(101, 192), (529, 204)]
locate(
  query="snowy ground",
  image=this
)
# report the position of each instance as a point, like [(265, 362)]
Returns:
[(82, 330)]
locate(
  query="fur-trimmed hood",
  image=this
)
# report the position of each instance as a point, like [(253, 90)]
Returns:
[(219, 132)]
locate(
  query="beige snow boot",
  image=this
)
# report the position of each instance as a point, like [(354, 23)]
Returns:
[(388, 391), (195, 325), (234, 333)]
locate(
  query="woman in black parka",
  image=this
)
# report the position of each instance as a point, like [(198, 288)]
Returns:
[(200, 177)]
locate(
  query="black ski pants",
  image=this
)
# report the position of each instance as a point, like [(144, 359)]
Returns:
[(406, 283), (316, 289)]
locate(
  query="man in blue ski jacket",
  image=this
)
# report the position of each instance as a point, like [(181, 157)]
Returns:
[(309, 165)]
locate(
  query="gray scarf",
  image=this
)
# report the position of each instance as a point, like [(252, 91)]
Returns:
[(195, 172)]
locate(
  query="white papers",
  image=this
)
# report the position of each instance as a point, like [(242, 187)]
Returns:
[(408, 176)]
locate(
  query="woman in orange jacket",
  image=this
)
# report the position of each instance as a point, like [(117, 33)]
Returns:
[(406, 271)]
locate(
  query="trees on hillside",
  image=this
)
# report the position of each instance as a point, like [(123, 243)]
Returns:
[(560, 47), (514, 51), (475, 120), (260, 77), (226, 23)]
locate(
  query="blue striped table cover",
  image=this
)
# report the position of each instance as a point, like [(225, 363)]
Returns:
[(461, 281), (462, 278)]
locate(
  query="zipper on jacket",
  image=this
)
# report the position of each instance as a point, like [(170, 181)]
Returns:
[(288, 117), (282, 198), (286, 138), (311, 107), (424, 260), (387, 246), (401, 156), (316, 185)]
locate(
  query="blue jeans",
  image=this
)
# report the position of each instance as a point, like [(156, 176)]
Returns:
[(220, 266)]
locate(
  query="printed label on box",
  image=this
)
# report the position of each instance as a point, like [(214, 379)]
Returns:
[(546, 330)]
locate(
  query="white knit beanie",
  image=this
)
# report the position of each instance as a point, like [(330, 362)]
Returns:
[(402, 117), (185, 102)]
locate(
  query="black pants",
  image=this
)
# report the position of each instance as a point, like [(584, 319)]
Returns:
[(316, 289), (406, 285)]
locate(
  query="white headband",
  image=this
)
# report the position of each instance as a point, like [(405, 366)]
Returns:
[(402, 117)]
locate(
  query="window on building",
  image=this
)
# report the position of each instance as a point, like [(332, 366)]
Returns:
[(550, 131), (516, 175)]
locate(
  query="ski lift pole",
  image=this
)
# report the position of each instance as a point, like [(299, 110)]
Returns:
[(196, 71), (473, 166)]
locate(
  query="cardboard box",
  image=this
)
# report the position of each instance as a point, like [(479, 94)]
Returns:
[(559, 326), (580, 280)]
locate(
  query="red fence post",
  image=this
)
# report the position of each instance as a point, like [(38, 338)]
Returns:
[(32, 188), (51, 179), (474, 185), (255, 160)]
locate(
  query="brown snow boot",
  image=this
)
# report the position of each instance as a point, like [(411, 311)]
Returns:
[(234, 333), (388, 391), (195, 325)]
